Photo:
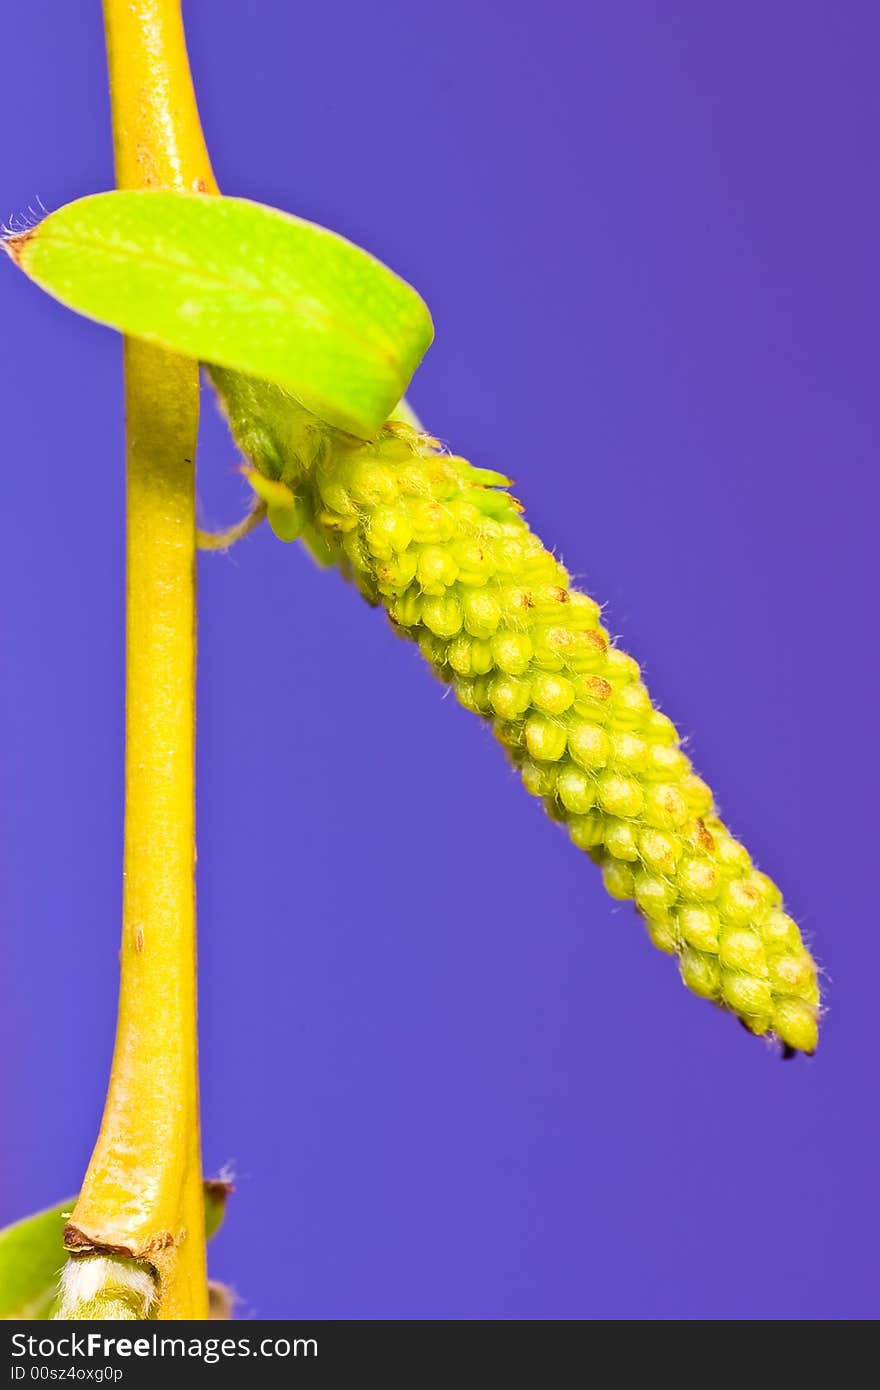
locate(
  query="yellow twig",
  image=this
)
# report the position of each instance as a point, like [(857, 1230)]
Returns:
[(142, 1193)]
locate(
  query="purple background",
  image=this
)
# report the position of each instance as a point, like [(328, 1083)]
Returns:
[(453, 1078)]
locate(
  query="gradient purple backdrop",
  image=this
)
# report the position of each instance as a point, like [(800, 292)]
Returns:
[(452, 1077)]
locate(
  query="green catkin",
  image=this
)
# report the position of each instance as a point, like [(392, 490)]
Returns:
[(443, 548)]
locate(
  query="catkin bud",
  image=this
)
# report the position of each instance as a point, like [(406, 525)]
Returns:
[(443, 547), (495, 615), (106, 1288)]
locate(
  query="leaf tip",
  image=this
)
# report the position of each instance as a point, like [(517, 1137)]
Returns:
[(218, 1190)]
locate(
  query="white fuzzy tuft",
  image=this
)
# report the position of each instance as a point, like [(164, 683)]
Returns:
[(105, 1279)]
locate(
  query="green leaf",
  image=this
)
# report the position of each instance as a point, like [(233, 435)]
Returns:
[(31, 1258), (32, 1254), (238, 285)]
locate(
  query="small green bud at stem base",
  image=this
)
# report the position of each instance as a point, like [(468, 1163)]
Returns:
[(106, 1288)]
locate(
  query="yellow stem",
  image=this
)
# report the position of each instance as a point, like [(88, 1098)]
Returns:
[(142, 1194)]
